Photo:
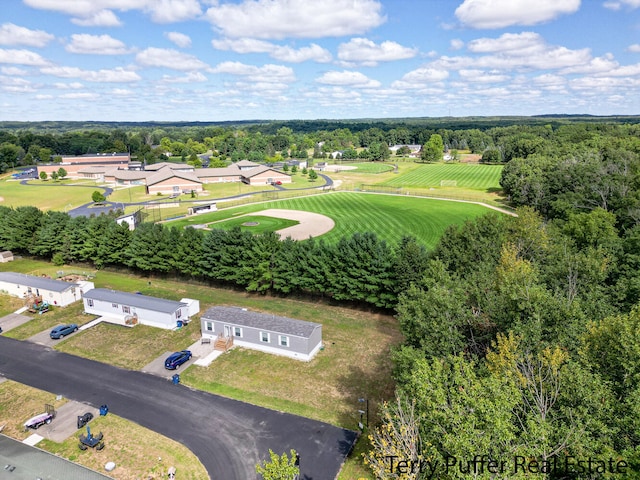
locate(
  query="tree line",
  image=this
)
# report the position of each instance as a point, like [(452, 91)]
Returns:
[(273, 142), (362, 268)]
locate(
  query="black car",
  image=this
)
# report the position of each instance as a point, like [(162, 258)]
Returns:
[(176, 359)]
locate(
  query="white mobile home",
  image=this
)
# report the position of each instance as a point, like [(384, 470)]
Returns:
[(152, 311), (269, 333), (54, 292)]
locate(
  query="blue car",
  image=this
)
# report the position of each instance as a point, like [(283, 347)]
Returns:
[(176, 359), (63, 330)]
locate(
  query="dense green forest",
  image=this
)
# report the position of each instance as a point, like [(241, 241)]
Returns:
[(498, 139), (522, 334)]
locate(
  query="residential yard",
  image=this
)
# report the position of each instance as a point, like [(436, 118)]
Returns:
[(354, 364), (135, 450)]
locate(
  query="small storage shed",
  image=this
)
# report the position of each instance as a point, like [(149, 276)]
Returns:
[(152, 311), (268, 333), (6, 256), (54, 292)]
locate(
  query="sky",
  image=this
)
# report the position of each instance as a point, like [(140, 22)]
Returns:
[(225, 60)]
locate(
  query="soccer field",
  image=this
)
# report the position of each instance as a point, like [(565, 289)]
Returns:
[(471, 176)]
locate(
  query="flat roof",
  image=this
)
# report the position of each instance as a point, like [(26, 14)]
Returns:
[(263, 321), (31, 463), (134, 300), (36, 282)]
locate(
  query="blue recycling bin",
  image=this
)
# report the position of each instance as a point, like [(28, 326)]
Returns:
[(103, 410), (175, 379), (179, 323)]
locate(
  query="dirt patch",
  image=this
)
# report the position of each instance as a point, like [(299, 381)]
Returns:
[(1, 199), (310, 224)]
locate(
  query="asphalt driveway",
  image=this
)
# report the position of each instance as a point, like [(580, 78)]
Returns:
[(229, 437)]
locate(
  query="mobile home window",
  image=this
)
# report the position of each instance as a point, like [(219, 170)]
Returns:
[(264, 337), (114, 305), (90, 302), (208, 326), (179, 313), (126, 309), (284, 341), (237, 331)]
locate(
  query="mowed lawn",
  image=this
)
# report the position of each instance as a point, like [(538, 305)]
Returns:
[(471, 176), (255, 223), (62, 195), (389, 216)]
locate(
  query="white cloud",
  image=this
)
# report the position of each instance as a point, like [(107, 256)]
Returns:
[(11, 34), (96, 45), (117, 75), (517, 50), (190, 77), (43, 97), (100, 12), (456, 44), (278, 19), (180, 39), (167, 58), (635, 48), (522, 43), (122, 92), (15, 71), (80, 96), (504, 13), (348, 78), (279, 52), (298, 55), (595, 65), (362, 51), (421, 77), (16, 84), (266, 73), (481, 76), (103, 18), (169, 11), (618, 4), (21, 57), (67, 86)]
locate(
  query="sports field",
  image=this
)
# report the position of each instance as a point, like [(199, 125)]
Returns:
[(388, 216), (471, 176)]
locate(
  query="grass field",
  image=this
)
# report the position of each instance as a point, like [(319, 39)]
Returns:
[(123, 439), (472, 176), (354, 364), (390, 217), (263, 223), (47, 195), (368, 167)]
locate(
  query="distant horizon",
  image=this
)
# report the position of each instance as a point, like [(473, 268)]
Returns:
[(337, 120), (233, 60)]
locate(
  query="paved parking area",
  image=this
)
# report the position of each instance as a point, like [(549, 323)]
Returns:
[(66, 422), (156, 367), (43, 338), (13, 320)]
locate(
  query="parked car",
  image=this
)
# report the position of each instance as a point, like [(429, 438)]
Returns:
[(278, 182), (176, 359), (63, 330)]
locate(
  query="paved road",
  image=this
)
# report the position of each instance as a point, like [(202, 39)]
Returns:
[(229, 437)]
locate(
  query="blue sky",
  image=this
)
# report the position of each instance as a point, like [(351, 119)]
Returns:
[(216, 60)]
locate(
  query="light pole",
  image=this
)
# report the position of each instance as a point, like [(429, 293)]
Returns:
[(364, 412)]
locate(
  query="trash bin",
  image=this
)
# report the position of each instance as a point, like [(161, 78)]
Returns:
[(103, 410), (179, 323), (175, 379)]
